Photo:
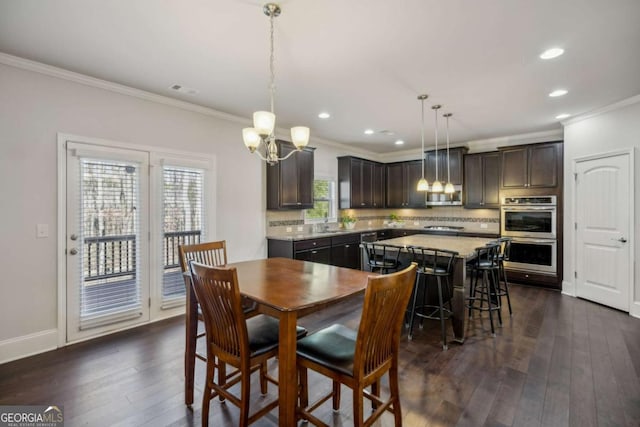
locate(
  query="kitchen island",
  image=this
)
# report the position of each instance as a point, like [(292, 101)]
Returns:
[(465, 246)]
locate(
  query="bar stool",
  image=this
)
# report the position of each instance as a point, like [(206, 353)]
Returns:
[(503, 284), (382, 258), (438, 264), (484, 268)]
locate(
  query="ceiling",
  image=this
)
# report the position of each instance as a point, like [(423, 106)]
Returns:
[(364, 62)]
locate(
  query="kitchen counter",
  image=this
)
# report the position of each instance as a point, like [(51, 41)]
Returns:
[(465, 246)]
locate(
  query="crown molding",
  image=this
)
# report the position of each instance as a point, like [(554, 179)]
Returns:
[(603, 110), (48, 70)]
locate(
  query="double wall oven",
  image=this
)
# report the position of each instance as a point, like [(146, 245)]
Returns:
[(532, 224)]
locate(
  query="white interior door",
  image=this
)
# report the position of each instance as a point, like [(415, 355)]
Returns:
[(107, 241), (603, 205)]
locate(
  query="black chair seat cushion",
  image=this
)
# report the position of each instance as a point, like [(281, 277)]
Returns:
[(438, 271), (333, 347), (263, 333)]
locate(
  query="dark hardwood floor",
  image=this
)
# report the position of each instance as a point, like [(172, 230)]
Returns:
[(559, 361)]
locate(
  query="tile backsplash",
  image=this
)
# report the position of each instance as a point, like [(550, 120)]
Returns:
[(473, 220)]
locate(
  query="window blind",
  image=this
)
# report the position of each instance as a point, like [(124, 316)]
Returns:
[(109, 196), (183, 224)]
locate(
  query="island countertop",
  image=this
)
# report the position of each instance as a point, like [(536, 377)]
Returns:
[(465, 246)]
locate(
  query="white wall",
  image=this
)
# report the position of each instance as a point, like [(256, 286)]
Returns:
[(34, 107), (617, 127)]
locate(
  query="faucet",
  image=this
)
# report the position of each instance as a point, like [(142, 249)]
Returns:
[(325, 227)]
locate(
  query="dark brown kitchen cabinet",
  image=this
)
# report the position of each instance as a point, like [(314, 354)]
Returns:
[(482, 180), (402, 179), (290, 181), (531, 166), (315, 250), (456, 159), (360, 183), (345, 251)]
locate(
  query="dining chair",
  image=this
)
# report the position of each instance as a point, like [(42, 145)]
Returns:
[(359, 359), (244, 344), (432, 264), (382, 258), (212, 254)]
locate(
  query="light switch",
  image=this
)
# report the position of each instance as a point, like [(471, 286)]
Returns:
[(300, 228), (483, 225), (42, 231), (289, 229)]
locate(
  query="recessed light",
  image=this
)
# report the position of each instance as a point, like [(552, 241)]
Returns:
[(399, 142), (386, 132), (183, 89), (369, 132), (562, 116), (554, 52), (558, 92), (324, 115)]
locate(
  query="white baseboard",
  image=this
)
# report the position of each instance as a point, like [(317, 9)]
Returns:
[(568, 288), (634, 309), (28, 345)]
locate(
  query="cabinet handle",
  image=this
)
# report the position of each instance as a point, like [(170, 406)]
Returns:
[(299, 203), (348, 246), (361, 204), (314, 243), (314, 252)]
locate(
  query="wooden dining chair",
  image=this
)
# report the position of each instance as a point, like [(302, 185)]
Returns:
[(360, 359), (243, 344), (212, 254)]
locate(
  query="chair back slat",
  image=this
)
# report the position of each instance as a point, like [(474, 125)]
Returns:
[(385, 300), (219, 296), (487, 255), (209, 253), (505, 247)]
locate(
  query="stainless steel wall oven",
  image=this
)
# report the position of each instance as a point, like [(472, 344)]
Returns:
[(532, 223)]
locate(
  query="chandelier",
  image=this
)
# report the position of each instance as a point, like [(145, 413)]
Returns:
[(264, 122)]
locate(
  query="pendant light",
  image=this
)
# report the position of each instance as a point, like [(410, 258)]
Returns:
[(423, 185), (263, 130), (448, 189), (437, 185)]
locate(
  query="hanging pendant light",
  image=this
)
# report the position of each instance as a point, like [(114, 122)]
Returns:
[(423, 185), (437, 185), (264, 122), (448, 189)]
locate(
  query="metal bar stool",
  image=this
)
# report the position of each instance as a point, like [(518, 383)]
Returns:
[(484, 268), (503, 284), (438, 264), (382, 258)]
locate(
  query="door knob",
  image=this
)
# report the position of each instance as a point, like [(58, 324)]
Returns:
[(622, 240), (74, 237), (73, 251)]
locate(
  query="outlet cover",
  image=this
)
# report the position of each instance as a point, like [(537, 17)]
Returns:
[(484, 225), (42, 231), (289, 229), (300, 228)]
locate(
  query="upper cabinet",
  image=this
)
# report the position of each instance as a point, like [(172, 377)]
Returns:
[(360, 183), (290, 181), (456, 156), (482, 180), (402, 179), (531, 166)]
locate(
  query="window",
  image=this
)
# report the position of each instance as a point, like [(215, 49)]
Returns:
[(324, 202)]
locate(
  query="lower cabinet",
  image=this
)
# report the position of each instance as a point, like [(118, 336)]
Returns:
[(345, 251), (320, 255)]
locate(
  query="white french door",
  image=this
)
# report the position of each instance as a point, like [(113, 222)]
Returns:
[(107, 239), (604, 200), (127, 211)]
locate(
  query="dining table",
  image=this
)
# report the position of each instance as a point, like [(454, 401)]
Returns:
[(286, 289), (466, 249)]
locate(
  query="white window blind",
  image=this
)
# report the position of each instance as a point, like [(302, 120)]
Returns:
[(183, 224), (109, 197)]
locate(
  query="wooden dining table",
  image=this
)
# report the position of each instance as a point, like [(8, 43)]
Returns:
[(286, 289)]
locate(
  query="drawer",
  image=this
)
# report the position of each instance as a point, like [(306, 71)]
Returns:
[(311, 243), (345, 238)]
